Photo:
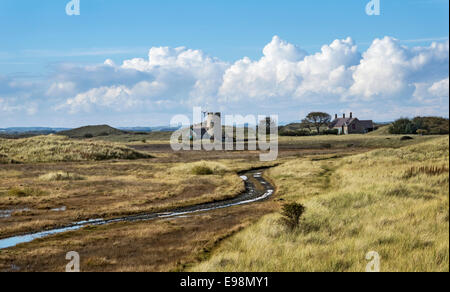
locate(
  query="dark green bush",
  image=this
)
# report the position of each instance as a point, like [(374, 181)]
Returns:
[(331, 132), (295, 133), (292, 214), (421, 126)]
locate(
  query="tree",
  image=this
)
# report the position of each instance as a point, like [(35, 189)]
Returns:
[(306, 124), (268, 123), (316, 120)]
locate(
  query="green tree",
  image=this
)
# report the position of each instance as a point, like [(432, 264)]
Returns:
[(316, 120)]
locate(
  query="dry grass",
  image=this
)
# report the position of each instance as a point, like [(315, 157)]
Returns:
[(202, 168), (60, 176), (4, 159), (354, 205), (371, 140), (108, 190), (61, 149), (161, 245)]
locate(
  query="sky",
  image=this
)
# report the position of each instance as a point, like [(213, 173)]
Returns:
[(140, 62)]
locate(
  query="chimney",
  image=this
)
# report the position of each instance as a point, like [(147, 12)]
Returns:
[(351, 115), (343, 116), (336, 117)]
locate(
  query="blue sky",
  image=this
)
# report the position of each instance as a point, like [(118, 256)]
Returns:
[(41, 48)]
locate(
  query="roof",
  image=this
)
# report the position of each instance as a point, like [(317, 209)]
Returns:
[(367, 124), (339, 123)]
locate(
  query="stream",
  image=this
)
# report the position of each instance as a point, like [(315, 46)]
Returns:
[(256, 189)]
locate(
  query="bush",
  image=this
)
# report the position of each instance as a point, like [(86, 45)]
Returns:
[(292, 214), (406, 138), (421, 126), (331, 132), (403, 126), (202, 170), (88, 136), (295, 133)]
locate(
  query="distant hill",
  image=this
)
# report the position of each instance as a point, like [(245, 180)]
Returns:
[(136, 129), (92, 132)]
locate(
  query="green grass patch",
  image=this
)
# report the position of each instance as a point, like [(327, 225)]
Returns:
[(25, 192)]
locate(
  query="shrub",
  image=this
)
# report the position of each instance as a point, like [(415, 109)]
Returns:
[(295, 133), (406, 138), (403, 126), (88, 136), (202, 170), (331, 132), (421, 126), (292, 214)]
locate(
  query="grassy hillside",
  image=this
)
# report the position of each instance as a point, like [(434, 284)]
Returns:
[(392, 201), (58, 149), (92, 131), (381, 131)]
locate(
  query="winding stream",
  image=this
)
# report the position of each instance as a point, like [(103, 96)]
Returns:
[(256, 189)]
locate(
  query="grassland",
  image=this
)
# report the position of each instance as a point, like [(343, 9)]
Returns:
[(109, 189), (369, 141), (392, 201), (62, 149), (358, 199)]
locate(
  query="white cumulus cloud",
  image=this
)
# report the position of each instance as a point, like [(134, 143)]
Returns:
[(386, 78)]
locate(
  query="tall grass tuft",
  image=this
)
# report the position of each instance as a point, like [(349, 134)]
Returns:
[(427, 170)]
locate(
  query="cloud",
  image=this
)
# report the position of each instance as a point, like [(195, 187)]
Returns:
[(432, 92), (276, 74), (389, 69), (382, 81)]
